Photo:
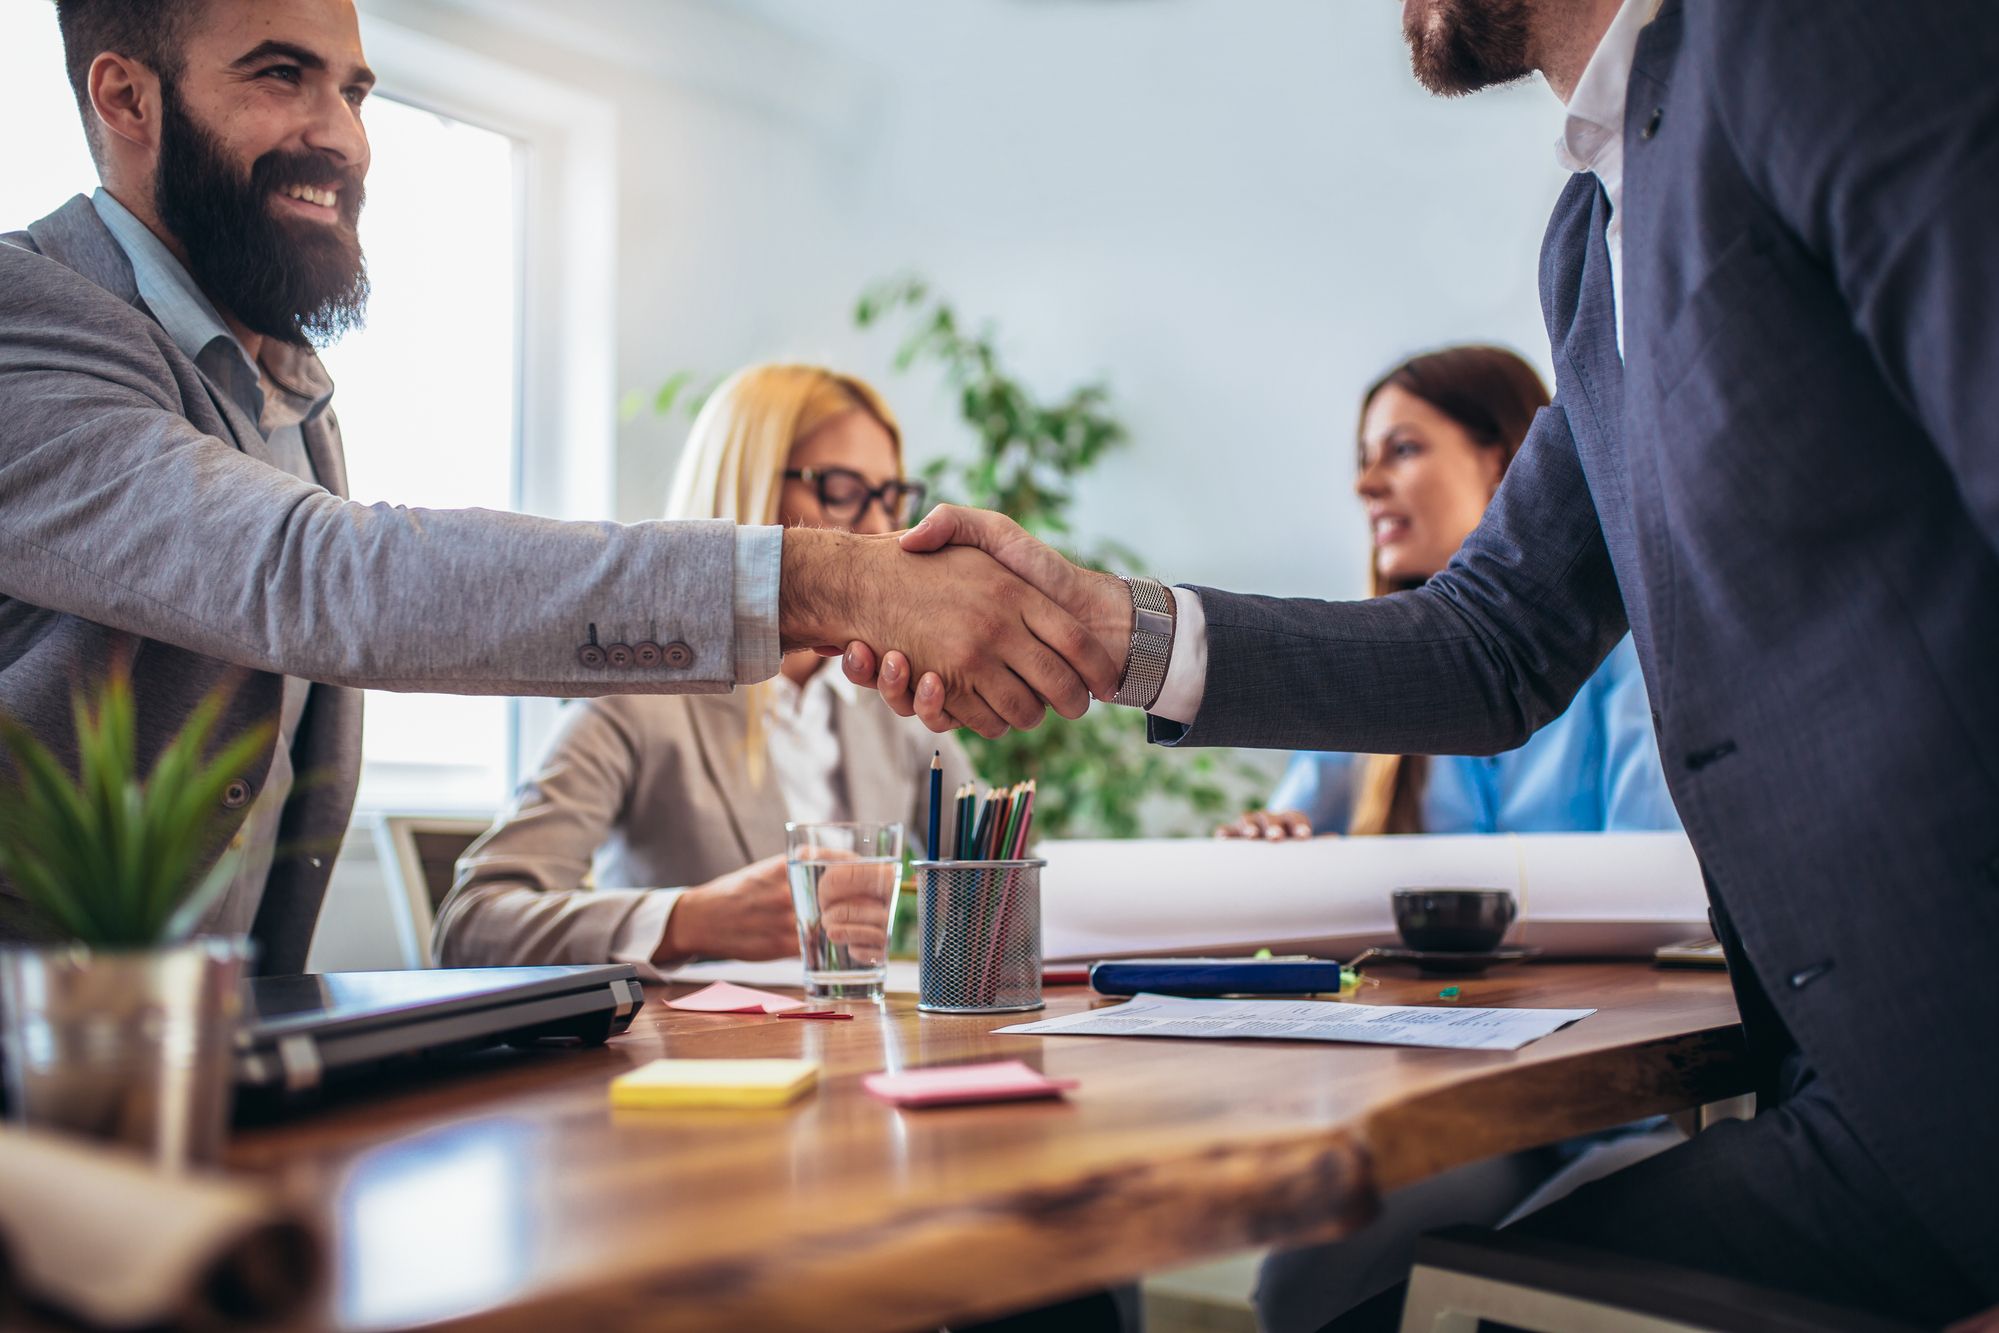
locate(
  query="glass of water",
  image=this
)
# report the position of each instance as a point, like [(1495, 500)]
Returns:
[(843, 883)]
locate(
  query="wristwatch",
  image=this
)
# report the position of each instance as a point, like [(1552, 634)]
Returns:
[(1151, 643)]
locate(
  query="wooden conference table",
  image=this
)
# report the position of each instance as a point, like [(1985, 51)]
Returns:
[(511, 1196)]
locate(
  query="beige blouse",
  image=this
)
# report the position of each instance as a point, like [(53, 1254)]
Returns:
[(653, 794)]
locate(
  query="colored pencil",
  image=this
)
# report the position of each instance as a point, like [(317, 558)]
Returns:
[(1019, 849), (1017, 799), (934, 848), (985, 822)]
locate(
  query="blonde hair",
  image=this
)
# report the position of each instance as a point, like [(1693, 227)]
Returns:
[(733, 463)]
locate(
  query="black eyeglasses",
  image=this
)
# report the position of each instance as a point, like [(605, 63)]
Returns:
[(846, 495)]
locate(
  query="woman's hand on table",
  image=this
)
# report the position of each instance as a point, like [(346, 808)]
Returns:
[(1267, 826), (744, 914)]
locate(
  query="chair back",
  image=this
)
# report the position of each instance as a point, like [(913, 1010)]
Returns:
[(419, 855)]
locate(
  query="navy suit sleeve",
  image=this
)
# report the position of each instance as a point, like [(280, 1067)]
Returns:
[(1473, 662), (1873, 130)]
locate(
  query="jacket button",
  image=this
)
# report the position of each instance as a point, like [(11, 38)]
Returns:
[(590, 655), (1652, 123), (236, 795), (619, 655), (677, 655), (646, 654), (1805, 976)]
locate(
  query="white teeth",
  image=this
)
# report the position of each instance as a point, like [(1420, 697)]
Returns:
[(324, 198)]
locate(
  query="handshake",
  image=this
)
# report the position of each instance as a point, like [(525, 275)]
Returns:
[(963, 621)]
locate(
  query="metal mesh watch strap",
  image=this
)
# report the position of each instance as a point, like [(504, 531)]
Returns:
[(1151, 643)]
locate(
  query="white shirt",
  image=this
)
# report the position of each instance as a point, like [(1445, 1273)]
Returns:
[(801, 732), (802, 738), (1593, 132), (1592, 140)]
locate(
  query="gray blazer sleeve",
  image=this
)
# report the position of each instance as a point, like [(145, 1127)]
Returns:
[(1473, 662), (120, 511), (519, 897)]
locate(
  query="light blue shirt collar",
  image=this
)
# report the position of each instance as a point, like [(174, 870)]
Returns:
[(196, 327), (189, 318)]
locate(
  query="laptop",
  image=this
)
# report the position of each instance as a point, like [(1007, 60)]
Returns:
[(299, 1032)]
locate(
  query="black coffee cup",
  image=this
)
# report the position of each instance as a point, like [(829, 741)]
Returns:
[(1453, 920)]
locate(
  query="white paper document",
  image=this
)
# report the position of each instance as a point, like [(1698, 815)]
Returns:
[(1451, 1026), (1594, 894)]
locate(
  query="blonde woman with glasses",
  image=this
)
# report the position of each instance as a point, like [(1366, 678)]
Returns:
[(653, 830)]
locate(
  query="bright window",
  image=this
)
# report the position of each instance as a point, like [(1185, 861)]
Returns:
[(429, 398), (429, 393)]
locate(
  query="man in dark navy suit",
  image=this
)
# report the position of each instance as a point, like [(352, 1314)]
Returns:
[(1772, 294)]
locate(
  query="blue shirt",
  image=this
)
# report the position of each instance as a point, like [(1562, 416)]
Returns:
[(1594, 769)]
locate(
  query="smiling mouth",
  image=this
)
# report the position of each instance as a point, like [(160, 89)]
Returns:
[(315, 199), (1388, 530)]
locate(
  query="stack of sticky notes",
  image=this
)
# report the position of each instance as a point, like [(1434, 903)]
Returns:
[(726, 997), (733, 1083), (957, 1085)]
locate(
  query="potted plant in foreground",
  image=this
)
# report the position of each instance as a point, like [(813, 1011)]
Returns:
[(118, 1023)]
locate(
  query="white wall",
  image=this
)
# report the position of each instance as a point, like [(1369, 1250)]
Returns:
[(1237, 213)]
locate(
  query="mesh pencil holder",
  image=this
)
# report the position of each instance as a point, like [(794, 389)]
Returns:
[(980, 923)]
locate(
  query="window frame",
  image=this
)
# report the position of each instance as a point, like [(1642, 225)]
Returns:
[(565, 214)]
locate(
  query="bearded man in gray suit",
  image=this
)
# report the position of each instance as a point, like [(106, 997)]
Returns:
[(1771, 289), (171, 477)]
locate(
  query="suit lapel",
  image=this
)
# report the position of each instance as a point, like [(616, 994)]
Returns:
[(322, 446), (720, 723), (75, 237), (1591, 349), (245, 433)]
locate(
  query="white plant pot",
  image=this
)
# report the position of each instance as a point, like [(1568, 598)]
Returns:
[(131, 1046)]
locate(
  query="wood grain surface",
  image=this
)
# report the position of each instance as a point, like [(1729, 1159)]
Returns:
[(507, 1195)]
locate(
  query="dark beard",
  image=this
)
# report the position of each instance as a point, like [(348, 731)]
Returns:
[(301, 282), (1462, 46)]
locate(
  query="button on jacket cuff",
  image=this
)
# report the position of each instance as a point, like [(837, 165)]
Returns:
[(1187, 670), (759, 558)]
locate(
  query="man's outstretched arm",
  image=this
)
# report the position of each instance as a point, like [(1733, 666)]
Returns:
[(1473, 662), (116, 509)]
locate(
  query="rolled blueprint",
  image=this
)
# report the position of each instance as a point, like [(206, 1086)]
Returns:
[(98, 1233), (1580, 894)]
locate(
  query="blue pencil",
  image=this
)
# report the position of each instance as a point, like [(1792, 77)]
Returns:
[(933, 849)]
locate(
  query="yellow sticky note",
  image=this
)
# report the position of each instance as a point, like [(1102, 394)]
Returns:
[(714, 1083)]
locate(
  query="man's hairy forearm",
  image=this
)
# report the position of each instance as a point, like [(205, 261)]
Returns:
[(820, 580)]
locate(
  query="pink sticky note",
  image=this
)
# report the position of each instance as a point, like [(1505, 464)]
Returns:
[(946, 1085), (726, 997)]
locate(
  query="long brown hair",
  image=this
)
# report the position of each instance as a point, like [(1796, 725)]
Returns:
[(1494, 395)]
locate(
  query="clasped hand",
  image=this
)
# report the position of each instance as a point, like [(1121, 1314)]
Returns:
[(964, 620)]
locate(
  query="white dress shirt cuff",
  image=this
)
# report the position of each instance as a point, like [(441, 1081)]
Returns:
[(759, 560), (1187, 669), (644, 931)]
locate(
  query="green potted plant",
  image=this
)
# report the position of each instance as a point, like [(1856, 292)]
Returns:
[(118, 1023), (1097, 776)]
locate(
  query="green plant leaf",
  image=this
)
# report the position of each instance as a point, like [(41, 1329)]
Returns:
[(108, 856), (669, 392)]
